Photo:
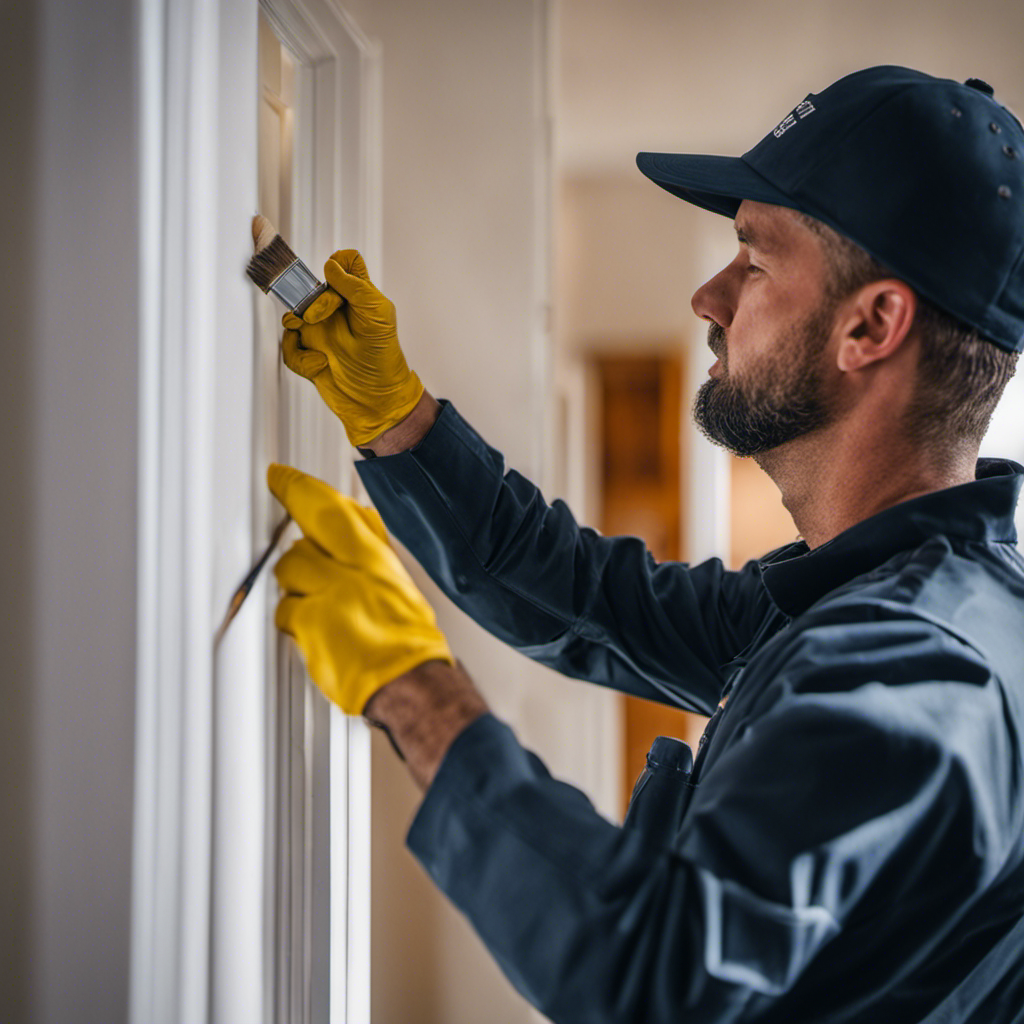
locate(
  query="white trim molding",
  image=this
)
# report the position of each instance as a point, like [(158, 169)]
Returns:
[(179, 282), (203, 897), (173, 777)]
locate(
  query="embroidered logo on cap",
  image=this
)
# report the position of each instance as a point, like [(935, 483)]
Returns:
[(801, 111)]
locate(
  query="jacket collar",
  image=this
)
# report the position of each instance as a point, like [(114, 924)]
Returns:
[(981, 511)]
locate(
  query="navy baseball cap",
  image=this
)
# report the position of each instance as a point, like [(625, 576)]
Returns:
[(925, 173)]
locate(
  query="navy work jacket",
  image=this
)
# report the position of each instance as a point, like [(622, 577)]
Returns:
[(849, 845)]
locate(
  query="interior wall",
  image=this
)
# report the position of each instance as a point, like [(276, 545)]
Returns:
[(464, 182), (67, 521), (459, 156), (625, 257)]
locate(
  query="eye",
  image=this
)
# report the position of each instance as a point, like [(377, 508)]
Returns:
[(751, 269)]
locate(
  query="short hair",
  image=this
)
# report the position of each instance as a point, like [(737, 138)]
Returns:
[(961, 375)]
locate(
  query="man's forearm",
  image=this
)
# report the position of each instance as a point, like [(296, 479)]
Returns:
[(423, 711), (410, 431)]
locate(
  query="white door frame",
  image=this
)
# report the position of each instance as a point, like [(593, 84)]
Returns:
[(203, 829)]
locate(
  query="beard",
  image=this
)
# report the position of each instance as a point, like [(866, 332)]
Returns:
[(778, 399)]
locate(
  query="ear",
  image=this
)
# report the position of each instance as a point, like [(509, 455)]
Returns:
[(877, 322)]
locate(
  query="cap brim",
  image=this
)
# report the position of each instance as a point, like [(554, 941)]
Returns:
[(715, 183)]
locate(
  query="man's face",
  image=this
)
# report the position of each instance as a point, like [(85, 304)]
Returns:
[(770, 324)]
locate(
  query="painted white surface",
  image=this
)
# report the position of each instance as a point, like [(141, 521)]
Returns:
[(197, 940), (322, 763), (236, 829)]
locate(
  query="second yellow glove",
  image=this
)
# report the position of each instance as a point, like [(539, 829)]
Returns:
[(349, 349), (353, 610)]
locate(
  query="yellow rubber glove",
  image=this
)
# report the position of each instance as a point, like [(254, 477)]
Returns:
[(355, 613), (349, 349)]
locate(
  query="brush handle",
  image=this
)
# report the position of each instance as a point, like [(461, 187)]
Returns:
[(247, 584)]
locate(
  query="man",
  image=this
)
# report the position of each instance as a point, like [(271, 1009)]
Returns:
[(849, 844)]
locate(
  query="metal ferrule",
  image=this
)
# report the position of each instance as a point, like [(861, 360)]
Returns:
[(296, 287)]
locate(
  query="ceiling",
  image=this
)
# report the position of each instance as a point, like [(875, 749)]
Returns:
[(714, 77)]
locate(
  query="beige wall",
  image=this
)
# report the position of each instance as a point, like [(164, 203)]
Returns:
[(626, 263), (460, 151), (463, 181)]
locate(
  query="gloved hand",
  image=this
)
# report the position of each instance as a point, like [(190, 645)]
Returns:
[(346, 343), (353, 610)]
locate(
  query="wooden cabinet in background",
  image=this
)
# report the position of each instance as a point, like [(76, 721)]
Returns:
[(641, 480)]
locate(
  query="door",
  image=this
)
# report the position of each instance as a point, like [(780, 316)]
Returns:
[(318, 868), (251, 848)]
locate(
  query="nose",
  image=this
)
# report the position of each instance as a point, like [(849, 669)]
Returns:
[(713, 300)]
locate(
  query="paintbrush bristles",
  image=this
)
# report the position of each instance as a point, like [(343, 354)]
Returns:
[(270, 262)]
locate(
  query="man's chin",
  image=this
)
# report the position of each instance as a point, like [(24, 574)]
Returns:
[(726, 419)]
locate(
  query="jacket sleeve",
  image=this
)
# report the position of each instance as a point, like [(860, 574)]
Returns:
[(820, 817), (591, 607)]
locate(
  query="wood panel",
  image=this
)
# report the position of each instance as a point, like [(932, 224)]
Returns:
[(641, 474)]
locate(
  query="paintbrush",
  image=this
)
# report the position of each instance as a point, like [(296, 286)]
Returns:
[(247, 584), (275, 268)]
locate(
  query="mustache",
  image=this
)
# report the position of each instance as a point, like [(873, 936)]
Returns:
[(716, 339)]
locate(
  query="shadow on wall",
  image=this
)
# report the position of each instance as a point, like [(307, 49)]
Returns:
[(17, 388)]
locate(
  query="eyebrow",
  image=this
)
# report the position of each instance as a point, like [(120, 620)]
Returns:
[(746, 235)]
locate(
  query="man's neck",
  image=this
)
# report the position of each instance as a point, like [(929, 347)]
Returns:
[(835, 478)]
